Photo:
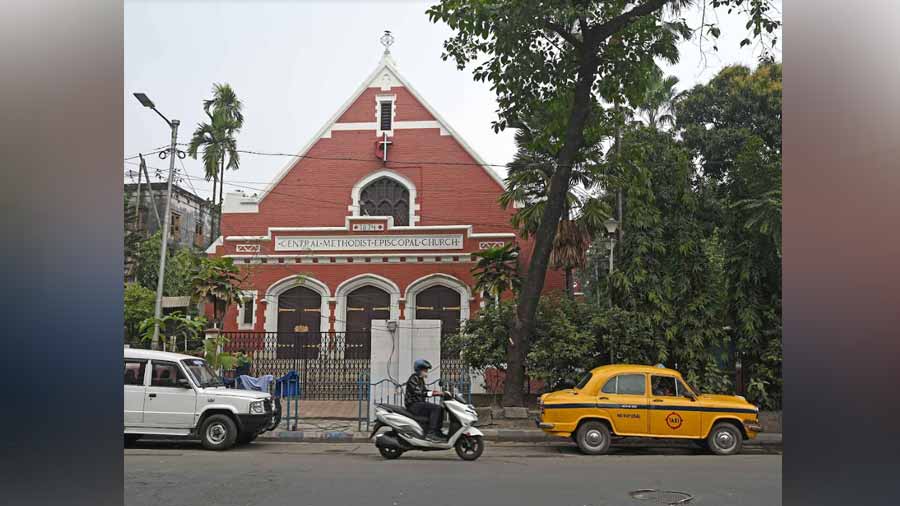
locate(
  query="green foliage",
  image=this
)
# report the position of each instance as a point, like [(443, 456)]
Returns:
[(217, 281), (573, 336), (173, 328), (216, 136), (180, 266), (532, 52), (733, 126), (482, 340), (139, 305), (564, 344), (222, 360), (497, 270)]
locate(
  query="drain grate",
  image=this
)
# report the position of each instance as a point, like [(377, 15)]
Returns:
[(669, 497)]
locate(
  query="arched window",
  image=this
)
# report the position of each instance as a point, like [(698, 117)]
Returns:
[(385, 197)]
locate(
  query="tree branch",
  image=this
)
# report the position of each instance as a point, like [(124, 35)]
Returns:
[(562, 32), (603, 31)]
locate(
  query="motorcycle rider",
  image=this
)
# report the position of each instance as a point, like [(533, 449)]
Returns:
[(415, 399)]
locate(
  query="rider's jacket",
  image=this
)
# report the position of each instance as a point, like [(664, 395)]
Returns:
[(415, 390)]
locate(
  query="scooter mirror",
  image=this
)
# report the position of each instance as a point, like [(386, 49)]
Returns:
[(441, 383)]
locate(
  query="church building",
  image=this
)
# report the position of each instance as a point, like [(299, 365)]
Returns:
[(376, 218)]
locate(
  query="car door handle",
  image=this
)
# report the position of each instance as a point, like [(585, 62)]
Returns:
[(657, 400), (603, 399), (151, 395)]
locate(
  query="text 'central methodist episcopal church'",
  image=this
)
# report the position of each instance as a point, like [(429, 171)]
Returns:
[(376, 219)]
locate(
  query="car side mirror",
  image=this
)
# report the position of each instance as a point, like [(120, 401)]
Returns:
[(183, 383)]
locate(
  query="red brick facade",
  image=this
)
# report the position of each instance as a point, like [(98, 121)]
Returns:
[(455, 198)]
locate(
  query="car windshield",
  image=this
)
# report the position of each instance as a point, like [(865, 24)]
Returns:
[(201, 372), (691, 387), (583, 381)]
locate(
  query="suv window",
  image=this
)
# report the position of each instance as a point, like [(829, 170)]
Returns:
[(166, 374), (663, 386), (134, 372), (625, 384)]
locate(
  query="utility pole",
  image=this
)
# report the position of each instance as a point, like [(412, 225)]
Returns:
[(163, 247), (172, 153)]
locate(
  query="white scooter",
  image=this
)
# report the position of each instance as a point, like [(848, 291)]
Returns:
[(407, 431)]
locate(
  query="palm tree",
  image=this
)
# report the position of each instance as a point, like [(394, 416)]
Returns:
[(657, 106), (497, 270), (217, 281), (216, 138), (527, 181)]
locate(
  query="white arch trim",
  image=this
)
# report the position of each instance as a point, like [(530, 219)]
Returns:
[(284, 284), (358, 187), (359, 281), (438, 279)]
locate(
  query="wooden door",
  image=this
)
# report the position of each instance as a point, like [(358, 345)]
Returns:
[(299, 322), (364, 304)]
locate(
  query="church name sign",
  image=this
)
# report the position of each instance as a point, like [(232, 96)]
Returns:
[(374, 242)]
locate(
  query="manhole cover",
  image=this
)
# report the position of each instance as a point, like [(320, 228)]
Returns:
[(661, 496)]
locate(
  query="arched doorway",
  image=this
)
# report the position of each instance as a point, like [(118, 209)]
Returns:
[(299, 323), (439, 303), (364, 304), (443, 303)]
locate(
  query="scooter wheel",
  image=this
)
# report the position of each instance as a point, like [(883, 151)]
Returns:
[(469, 447), (390, 453)]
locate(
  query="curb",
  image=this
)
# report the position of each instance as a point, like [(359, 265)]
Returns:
[(774, 440)]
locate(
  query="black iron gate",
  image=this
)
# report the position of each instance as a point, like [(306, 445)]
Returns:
[(328, 366)]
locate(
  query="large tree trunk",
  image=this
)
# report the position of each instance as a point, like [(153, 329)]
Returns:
[(533, 285), (570, 288), (221, 187)]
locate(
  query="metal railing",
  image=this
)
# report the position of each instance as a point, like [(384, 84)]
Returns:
[(388, 391)]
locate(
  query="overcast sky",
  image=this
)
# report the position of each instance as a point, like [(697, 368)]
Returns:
[(293, 64)]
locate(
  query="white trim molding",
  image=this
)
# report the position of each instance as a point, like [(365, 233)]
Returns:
[(385, 76), (347, 286), (439, 279), (245, 294), (284, 284), (362, 183), (469, 229), (211, 249)]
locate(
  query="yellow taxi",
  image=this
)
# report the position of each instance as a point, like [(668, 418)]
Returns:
[(646, 401)]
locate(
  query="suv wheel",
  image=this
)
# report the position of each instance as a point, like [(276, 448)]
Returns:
[(725, 439), (218, 432), (593, 438)]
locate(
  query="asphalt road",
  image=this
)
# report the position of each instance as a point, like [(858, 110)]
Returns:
[(272, 473)]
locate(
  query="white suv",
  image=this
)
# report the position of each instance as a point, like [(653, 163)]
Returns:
[(170, 394)]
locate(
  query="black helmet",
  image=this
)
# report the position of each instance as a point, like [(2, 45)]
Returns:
[(421, 364)]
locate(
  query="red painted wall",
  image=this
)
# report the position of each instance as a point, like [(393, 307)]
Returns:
[(452, 189)]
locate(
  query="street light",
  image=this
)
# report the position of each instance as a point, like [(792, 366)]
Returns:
[(172, 153), (611, 227)]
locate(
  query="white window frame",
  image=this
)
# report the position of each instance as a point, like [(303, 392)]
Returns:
[(240, 317), (379, 98)]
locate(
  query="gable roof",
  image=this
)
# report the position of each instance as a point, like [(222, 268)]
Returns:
[(386, 63)]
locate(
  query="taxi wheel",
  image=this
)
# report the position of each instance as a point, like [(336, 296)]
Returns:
[(593, 438), (725, 439)]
